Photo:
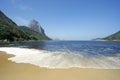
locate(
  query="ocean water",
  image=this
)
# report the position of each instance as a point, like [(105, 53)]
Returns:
[(66, 54)]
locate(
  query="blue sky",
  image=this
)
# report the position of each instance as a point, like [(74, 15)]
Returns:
[(67, 19)]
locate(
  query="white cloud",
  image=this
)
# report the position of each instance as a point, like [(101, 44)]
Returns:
[(20, 5), (14, 1), (25, 8), (21, 21)]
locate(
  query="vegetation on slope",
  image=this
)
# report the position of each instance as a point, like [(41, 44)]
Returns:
[(115, 36), (33, 34), (9, 31)]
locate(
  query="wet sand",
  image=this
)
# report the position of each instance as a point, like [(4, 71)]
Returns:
[(21, 71)]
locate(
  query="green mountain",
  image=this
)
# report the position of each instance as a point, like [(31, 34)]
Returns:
[(113, 37), (33, 34), (9, 31)]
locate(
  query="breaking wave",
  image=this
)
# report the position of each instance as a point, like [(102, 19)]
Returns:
[(62, 59)]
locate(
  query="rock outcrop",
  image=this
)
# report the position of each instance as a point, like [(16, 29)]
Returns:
[(34, 25), (10, 32)]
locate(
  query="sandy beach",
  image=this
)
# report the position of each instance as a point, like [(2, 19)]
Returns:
[(21, 71)]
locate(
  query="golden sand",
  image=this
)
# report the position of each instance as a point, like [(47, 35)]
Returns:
[(20, 71)]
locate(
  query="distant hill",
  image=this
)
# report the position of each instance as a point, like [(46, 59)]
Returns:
[(113, 37), (9, 31), (33, 34)]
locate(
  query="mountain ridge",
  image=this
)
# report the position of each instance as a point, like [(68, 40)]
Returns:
[(113, 37), (10, 32), (34, 34)]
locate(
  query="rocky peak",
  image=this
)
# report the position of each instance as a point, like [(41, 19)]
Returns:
[(34, 25)]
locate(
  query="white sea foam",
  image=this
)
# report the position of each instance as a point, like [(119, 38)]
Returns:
[(50, 59)]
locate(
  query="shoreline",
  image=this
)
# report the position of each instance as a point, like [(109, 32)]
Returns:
[(22, 71)]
